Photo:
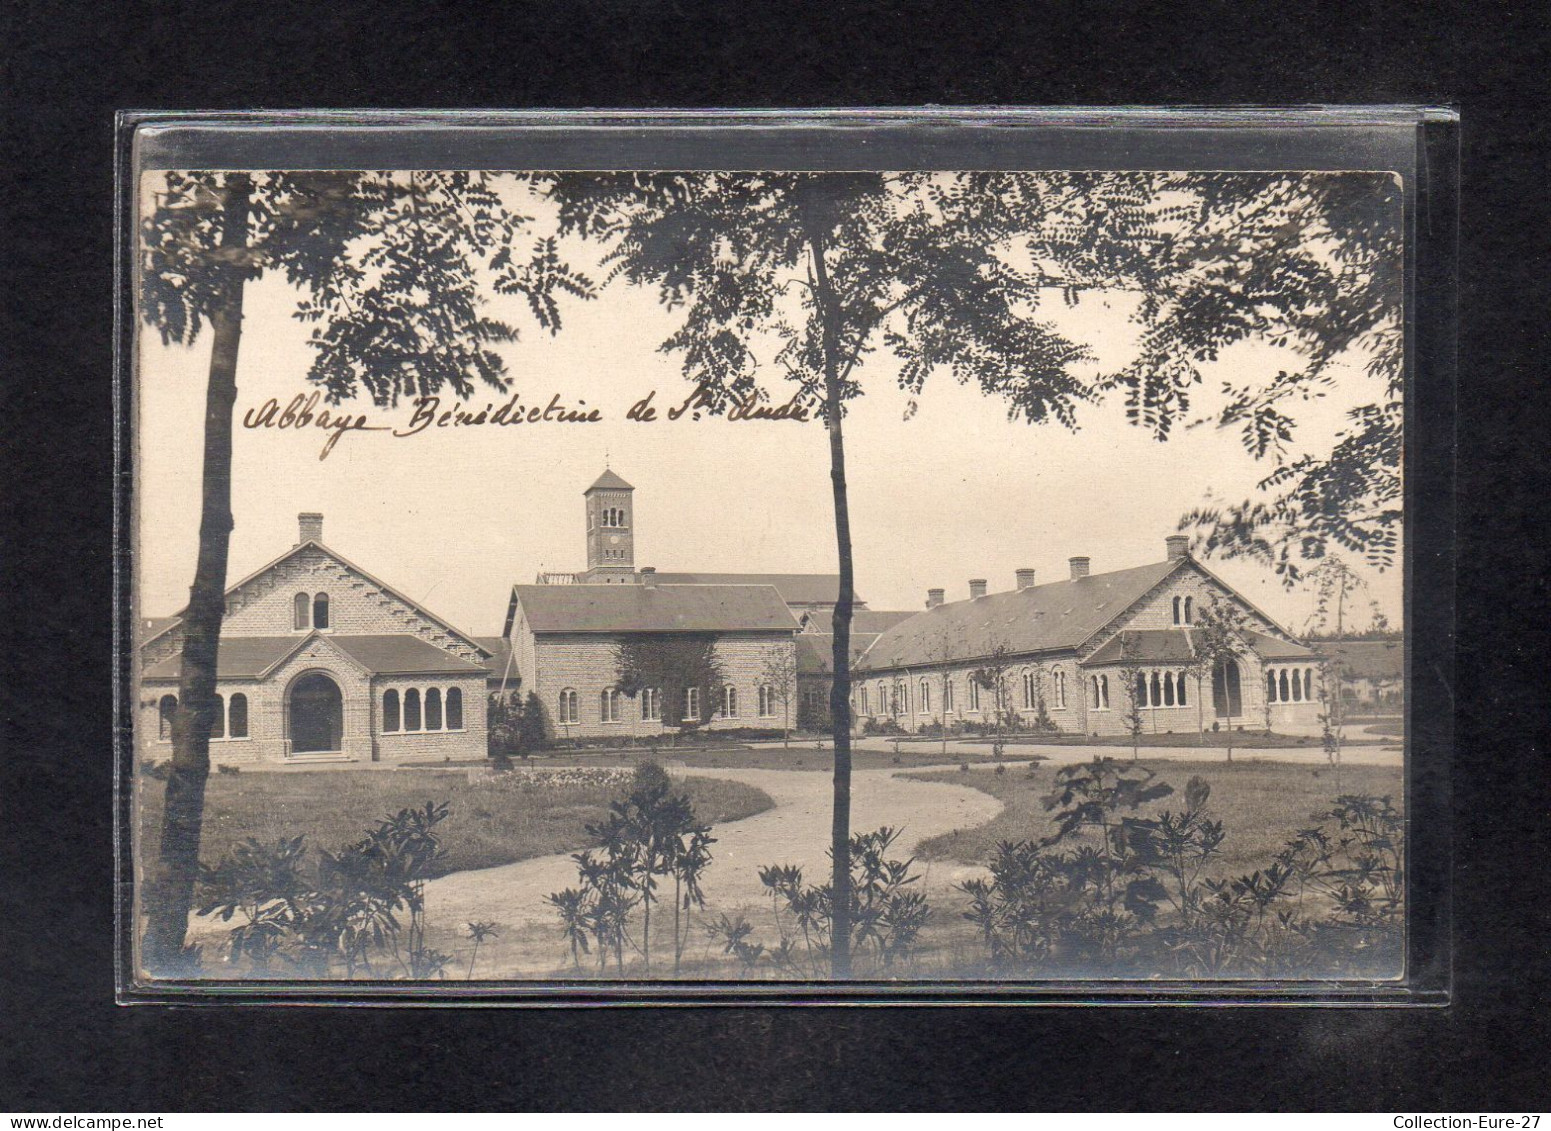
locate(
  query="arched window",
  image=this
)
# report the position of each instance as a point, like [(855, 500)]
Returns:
[(1179, 689), (237, 716), (1157, 691), (729, 702), (218, 724), (1270, 686), (947, 696), (926, 697), (1284, 694), (433, 709), (608, 706), (974, 694), (1297, 686), (165, 709), (1227, 698), (651, 705), (901, 698), (692, 702), (454, 709), (1308, 683), (320, 611), (301, 608), (568, 706), (390, 710), (1104, 692), (1028, 690), (1168, 689), (866, 708), (412, 709), (1141, 690), (1059, 682), (1189, 614), (1176, 610)]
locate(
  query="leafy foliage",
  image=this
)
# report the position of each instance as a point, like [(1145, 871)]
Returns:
[(671, 663), (391, 267), (888, 913), (342, 915), (1134, 893), (650, 836)]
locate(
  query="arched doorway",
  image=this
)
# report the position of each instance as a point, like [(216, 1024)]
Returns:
[(1227, 694), (316, 715)]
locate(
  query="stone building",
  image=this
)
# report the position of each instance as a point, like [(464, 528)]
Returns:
[(1069, 646), (320, 661), (561, 634), (564, 639)]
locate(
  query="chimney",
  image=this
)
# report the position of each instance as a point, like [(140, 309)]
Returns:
[(309, 527), (649, 576), (1178, 546), (1025, 579), (1079, 567), (934, 598), (977, 587)]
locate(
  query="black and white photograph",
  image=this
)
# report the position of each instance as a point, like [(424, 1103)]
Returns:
[(767, 576)]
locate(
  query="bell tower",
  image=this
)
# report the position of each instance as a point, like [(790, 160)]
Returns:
[(610, 529)]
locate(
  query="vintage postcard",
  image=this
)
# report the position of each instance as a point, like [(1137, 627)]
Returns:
[(756, 575)]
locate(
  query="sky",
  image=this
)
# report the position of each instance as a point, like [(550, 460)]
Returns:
[(453, 517)]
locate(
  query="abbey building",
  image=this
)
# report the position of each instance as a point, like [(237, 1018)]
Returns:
[(321, 661)]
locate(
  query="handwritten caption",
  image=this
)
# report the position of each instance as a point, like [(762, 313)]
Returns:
[(425, 413)]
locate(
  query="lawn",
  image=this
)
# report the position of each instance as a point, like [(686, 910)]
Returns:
[(1211, 740), (494, 819), (767, 757), (1261, 805)]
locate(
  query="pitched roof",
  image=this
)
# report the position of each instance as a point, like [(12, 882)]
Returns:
[(608, 481), (874, 622), (399, 654), (1148, 645), (160, 626), (238, 657), (795, 588), (815, 650), (1367, 659), (255, 657), (653, 608), (1270, 648), (500, 650), (1057, 615)]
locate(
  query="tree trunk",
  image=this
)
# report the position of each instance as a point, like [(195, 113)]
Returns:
[(840, 689), (170, 892)]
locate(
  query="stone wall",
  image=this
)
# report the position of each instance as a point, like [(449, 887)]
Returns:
[(585, 663)]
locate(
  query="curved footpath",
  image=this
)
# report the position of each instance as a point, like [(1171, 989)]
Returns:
[(795, 830)]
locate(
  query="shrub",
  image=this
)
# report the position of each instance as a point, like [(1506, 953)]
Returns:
[(650, 835), (888, 914), (1116, 890), (340, 915)]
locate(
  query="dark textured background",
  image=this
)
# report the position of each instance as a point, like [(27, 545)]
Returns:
[(65, 1046)]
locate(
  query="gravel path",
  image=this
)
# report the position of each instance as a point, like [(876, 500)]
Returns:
[(795, 830)]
